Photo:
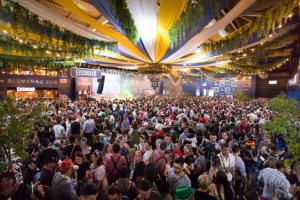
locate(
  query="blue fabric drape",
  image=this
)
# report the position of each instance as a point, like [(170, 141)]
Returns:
[(104, 7)]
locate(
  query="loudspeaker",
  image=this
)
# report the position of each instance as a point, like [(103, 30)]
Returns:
[(101, 84), (161, 87), (73, 94)]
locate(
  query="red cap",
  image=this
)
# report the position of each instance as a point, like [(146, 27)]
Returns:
[(66, 164), (177, 153)]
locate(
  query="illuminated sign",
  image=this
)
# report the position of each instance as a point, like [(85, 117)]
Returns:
[(84, 72), (272, 82), (25, 89)]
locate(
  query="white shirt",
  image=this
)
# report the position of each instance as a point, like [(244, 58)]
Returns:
[(227, 162), (59, 131)]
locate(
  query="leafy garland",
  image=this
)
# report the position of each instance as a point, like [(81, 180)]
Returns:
[(155, 68), (13, 47), (264, 25), (23, 21), (193, 14), (123, 15), (28, 62), (255, 69)]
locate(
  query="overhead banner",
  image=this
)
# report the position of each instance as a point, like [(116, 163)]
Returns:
[(84, 72)]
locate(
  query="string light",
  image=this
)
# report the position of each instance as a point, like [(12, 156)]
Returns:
[(48, 52), (270, 35), (5, 31), (21, 41)]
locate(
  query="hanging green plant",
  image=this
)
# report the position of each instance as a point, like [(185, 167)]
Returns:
[(264, 25), (23, 22), (188, 22), (123, 15)]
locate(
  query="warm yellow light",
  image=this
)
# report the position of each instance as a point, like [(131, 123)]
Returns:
[(4, 31), (270, 35), (290, 15), (244, 55), (252, 50), (35, 47), (48, 52), (21, 41), (261, 43), (57, 54)]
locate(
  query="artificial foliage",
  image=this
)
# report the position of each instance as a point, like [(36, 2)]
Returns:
[(123, 15), (263, 26), (188, 22), (16, 128), (29, 62), (285, 115), (24, 23), (155, 68)]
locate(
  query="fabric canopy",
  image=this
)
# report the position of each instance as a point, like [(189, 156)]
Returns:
[(169, 12), (123, 40), (144, 14)]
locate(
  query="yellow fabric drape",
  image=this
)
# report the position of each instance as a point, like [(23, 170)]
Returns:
[(121, 57), (123, 40), (109, 60), (169, 12)]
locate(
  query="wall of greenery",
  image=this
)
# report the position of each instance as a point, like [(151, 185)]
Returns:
[(123, 15), (23, 22)]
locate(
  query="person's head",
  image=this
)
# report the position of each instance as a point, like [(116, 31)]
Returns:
[(186, 130), (187, 149), (235, 150), (66, 167), (89, 192), (71, 139), (167, 138), (7, 179), (225, 149), (142, 138), (147, 146), (178, 165), (138, 156), (224, 136), (116, 148), (279, 165), (163, 146), (204, 182), (95, 156), (78, 157), (114, 192), (213, 138), (124, 172), (58, 120), (45, 142), (145, 189), (87, 117)]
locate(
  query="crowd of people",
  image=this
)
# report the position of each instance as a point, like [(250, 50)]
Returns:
[(152, 148)]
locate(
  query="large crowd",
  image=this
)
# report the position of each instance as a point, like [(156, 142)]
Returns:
[(159, 147)]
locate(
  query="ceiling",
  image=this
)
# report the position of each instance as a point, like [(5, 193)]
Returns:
[(154, 20)]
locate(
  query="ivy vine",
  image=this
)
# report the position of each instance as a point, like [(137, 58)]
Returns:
[(123, 15)]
